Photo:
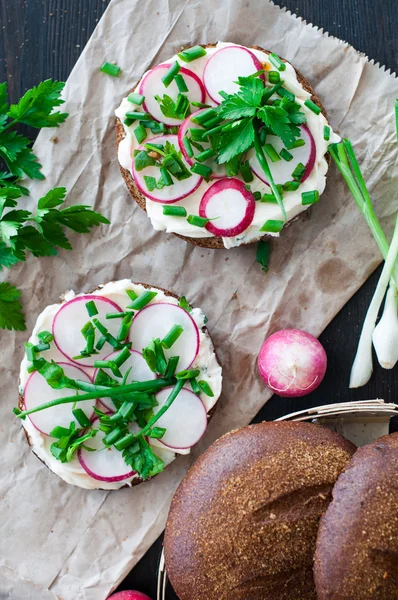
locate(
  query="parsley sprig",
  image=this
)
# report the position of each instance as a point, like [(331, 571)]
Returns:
[(41, 232)]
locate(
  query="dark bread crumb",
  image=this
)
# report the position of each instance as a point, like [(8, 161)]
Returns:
[(243, 522), (212, 242)]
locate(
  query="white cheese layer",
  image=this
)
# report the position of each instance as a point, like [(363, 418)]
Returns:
[(206, 361), (264, 211)]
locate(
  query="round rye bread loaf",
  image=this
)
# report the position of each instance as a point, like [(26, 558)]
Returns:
[(243, 523), (357, 547), (209, 242)]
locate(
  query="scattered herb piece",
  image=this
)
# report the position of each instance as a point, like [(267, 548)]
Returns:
[(206, 389), (191, 54), (312, 106), (174, 211), (135, 98), (263, 254), (272, 226), (309, 197), (197, 221)]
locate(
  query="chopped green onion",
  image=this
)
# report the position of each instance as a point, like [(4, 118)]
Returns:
[(191, 54), (136, 98), (127, 409), (205, 387), (171, 73), (172, 336), (165, 176), (150, 183), (326, 133), (128, 122), (265, 167), (30, 351), (197, 221), (298, 172), (274, 77), (213, 122), (180, 81), (272, 226), (143, 300), (110, 69), (297, 144), (59, 432), (202, 170), (125, 442), (187, 146), (113, 436), (198, 135), (31, 369), (272, 153), (171, 366), (121, 358), (200, 105), (210, 132), (81, 417), (131, 294), (312, 106), (195, 385), (284, 93), (174, 211), (291, 186), (45, 336), (205, 155), (187, 374), (140, 133), (269, 198), (203, 116), (108, 364), (285, 154), (125, 326), (276, 61), (115, 315), (142, 116), (274, 90), (100, 344), (263, 254), (309, 197), (246, 171), (257, 196), (41, 347), (157, 433), (91, 308)]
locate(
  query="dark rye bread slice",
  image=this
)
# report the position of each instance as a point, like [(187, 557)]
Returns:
[(212, 242), (209, 414), (243, 522), (357, 547)]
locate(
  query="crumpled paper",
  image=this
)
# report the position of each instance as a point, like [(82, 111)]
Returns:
[(80, 544)]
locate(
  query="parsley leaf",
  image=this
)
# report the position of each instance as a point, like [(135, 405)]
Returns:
[(174, 110), (245, 102), (238, 139), (35, 108), (142, 459), (11, 316), (143, 160), (278, 122)]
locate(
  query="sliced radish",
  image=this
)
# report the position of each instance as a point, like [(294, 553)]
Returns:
[(152, 85), (37, 391), (156, 320), (218, 170), (139, 372), (170, 193), (105, 464), (71, 318), (185, 421), (282, 170), (231, 204), (225, 66)]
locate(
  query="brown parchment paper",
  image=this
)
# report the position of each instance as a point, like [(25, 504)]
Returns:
[(79, 544)]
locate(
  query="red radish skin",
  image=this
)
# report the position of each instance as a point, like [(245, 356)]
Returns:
[(129, 595), (139, 372), (88, 460), (152, 85), (172, 193), (185, 421), (224, 68), (218, 170), (37, 391), (282, 170), (292, 363), (221, 200), (70, 319), (156, 320)]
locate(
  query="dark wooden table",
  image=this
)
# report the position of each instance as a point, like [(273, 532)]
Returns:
[(43, 38)]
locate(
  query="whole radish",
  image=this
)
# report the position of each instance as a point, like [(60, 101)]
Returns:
[(129, 595), (292, 362)]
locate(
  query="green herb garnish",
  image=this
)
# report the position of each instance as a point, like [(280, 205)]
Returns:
[(191, 54), (110, 69)]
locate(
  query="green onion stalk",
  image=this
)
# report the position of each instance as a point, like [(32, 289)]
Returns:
[(265, 167)]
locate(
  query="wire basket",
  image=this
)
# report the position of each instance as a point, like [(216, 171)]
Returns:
[(362, 422)]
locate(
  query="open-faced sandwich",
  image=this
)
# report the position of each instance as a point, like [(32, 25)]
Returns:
[(116, 383), (223, 144)]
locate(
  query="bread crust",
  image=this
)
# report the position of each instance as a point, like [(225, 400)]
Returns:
[(210, 414), (243, 522), (357, 546), (212, 242)]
